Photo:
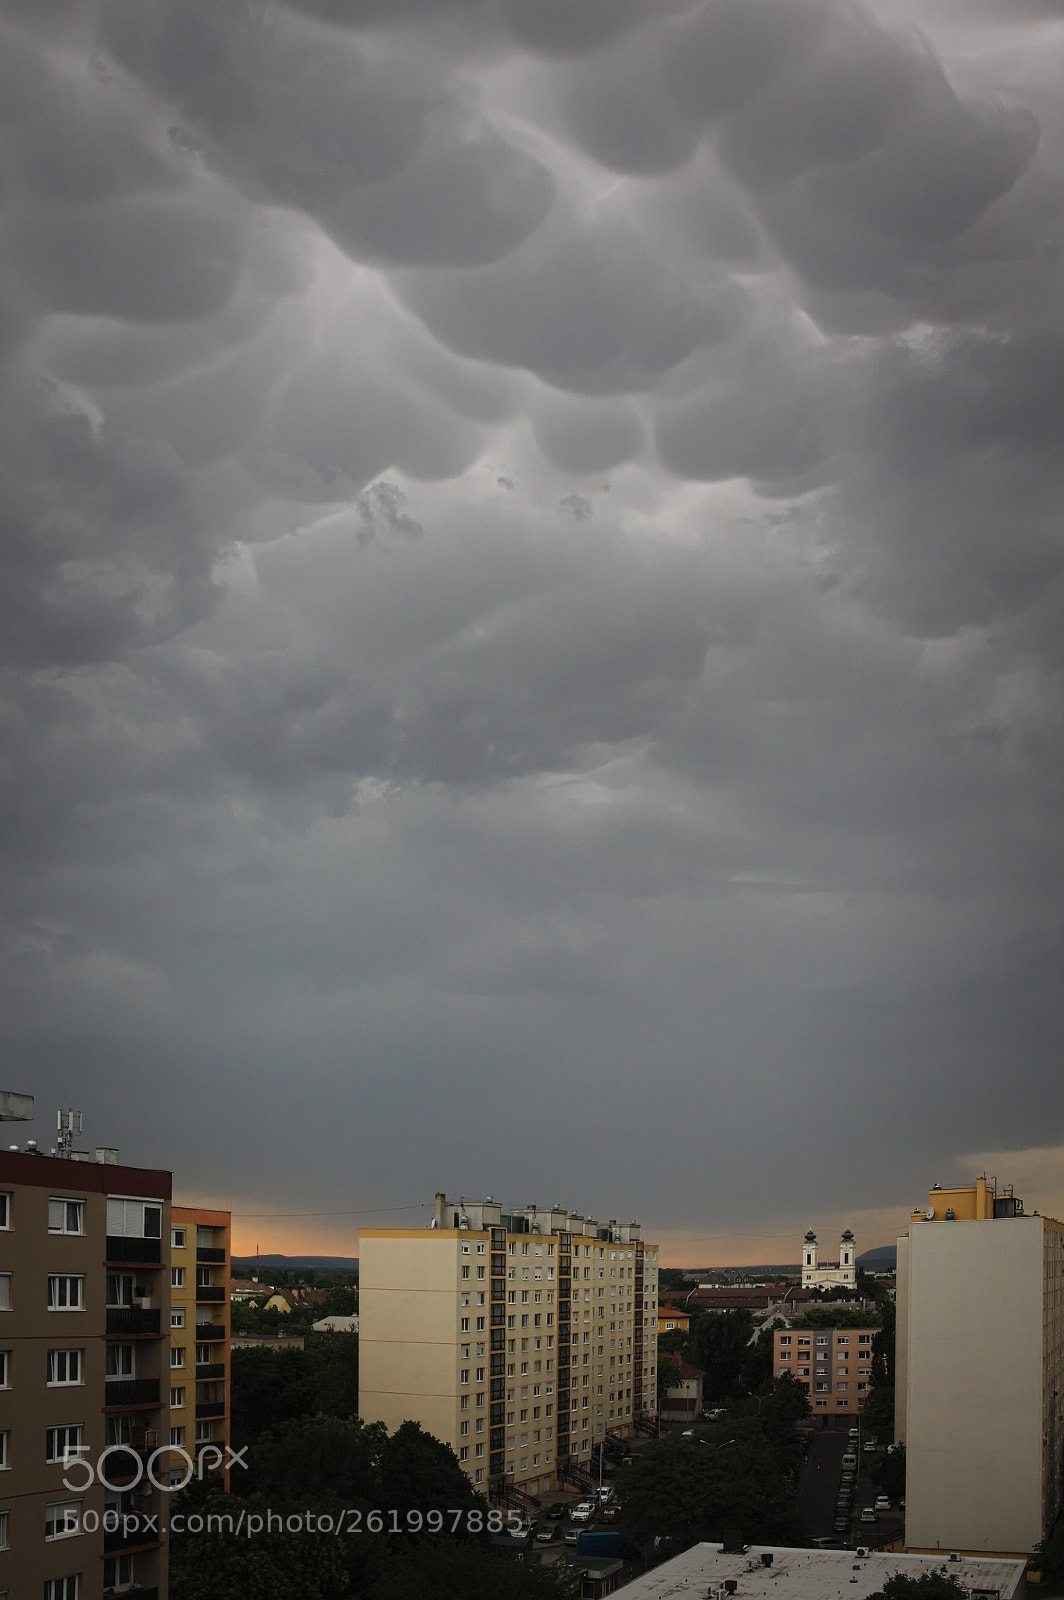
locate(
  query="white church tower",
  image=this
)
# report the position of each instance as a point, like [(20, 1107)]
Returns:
[(829, 1274)]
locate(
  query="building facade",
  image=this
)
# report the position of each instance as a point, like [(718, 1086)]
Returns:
[(84, 1318), (817, 1274), (198, 1377), (833, 1364), (523, 1339), (979, 1379)]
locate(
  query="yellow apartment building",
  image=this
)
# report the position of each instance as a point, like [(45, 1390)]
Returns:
[(669, 1319), (833, 1364), (199, 1332), (979, 1377), (520, 1338)]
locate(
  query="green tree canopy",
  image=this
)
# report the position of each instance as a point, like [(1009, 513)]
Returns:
[(687, 1491), (718, 1343), (928, 1586), (838, 1316)]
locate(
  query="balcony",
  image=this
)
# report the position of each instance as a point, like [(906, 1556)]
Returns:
[(131, 1320), (143, 1252), (210, 1369), (206, 1331), (146, 1539), (131, 1392), (138, 1592), (208, 1253), (210, 1408), (206, 1295)]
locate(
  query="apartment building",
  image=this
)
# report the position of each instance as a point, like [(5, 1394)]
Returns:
[(199, 1333), (522, 1338), (979, 1378), (833, 1364), (84, 1314)]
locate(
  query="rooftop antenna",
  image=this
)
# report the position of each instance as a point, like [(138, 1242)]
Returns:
[(69, 1125)]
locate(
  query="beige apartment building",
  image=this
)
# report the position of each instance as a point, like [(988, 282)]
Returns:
[(199, 1336), (84, 1315), (523, 1339), (833, 1364), (980, 1371)]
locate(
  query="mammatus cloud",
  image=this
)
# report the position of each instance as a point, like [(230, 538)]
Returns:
[(531, 562)]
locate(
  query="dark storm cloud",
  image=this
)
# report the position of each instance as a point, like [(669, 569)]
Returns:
[(530, 549)]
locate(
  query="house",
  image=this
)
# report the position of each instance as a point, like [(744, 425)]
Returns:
[(757, 1297), (336, 1325), (669, 1319), (249, 1289), (300, 1298), (683, 1399)]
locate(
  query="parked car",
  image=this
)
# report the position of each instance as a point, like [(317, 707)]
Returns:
[(848, 1476), (583, 1511), (603, 1493), (849, 1459), (855, 1433), (869, 1448), (610, 1513), (869, 1514), (557, 1513), (882, 1502), (570, 1535), (523, 1532), (841, 1524), (688, 1433), (548, 1533), (827, 1544)]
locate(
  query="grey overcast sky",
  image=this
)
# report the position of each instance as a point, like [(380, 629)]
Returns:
[(531, 609)]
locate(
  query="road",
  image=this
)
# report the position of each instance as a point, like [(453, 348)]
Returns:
[(819, 1487)]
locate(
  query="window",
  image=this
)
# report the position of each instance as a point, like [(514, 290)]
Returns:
[(177, 1437), (3, 1530), (62, 1444), (5, 1369), (203, 1433), (203, 1278), (134, 1219), (62, 1519), (177, 1238), (177, 1355), (65, 1292), (177, 1399), (177, 1317), (119, 1289), (463, 1453), (62, 1588), (177, 1277), (5, 1208), (117, 1573), (5, 1442), (66, 1216), (64, 1366), (120, 1361)]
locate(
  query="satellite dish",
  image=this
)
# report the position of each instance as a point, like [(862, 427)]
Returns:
[(929, 1213)]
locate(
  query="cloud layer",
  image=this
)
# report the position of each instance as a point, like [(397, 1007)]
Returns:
[(531, 594)]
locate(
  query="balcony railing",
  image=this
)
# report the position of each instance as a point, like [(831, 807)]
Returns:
[(131, 1392), (122, 1540), (210, 1369), (207, 1295), (206, 1331), (140, 1250), (132, 1320), (210, 1408), (207, 1252)]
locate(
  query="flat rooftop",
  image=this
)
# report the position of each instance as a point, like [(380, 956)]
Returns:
[(812, 1574)]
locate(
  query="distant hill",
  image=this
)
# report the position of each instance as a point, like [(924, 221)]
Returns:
[(882, 1259), (300, 1263)]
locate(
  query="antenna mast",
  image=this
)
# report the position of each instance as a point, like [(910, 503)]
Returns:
[(69, 1125)]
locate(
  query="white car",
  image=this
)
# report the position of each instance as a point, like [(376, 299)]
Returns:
[(604, 1493), (583, 1511), (869, 1514), (882, 1502), (868, 1447)]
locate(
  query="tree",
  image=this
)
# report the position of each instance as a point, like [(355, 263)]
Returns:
[(687, 1491), (441, 1569), (673, 1278), (878, 1414), (717, 1343), (928, 1586), (883, 1347), (888, 1475), (418, 1471), (318, 1458), (270, 1565), (668, 1372), (837, 1316)]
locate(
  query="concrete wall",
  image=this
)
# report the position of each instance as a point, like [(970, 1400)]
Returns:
[(973, 1419), (408, 1329)]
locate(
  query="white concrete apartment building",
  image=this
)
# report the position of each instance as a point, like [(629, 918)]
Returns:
[(980, 1371), (522, 1338)]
